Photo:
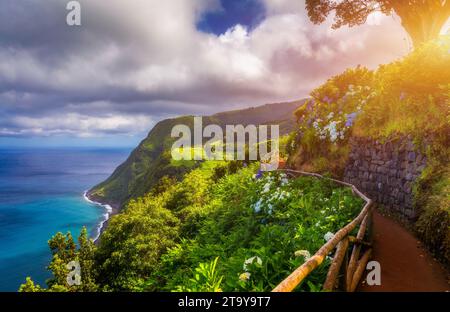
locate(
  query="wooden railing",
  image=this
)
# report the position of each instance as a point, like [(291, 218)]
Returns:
[(352, 269)]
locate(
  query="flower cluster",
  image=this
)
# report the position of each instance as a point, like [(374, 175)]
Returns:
[(328, 236), (303, 253), (244, 276), (272, 191), (330, 130), (332, 120), (250, 261)]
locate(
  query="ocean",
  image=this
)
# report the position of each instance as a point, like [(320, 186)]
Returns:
[(41, 193)]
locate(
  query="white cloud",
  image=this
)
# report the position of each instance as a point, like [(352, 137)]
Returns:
[(130, 63), (284, 6), (80, 125)]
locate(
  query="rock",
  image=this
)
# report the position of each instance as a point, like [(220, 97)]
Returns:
[(374, 154), (407, 188), (386, 172), (395, 192), (408, 202), (419, 159), (409, 177), (420, 168), (410, 213)]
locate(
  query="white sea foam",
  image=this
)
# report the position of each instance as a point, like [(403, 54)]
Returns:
[(106, 215)]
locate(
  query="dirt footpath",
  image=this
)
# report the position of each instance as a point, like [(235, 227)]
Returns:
[(405, 264)]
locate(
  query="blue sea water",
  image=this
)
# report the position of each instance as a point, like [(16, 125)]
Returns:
[(41, 193)]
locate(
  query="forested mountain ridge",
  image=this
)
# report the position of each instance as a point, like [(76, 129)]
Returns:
[(151, 160)]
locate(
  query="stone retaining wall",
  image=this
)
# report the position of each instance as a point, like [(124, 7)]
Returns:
[(386, 171)]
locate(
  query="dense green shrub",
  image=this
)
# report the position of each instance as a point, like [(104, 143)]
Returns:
[(432, 197), (64, 250), (412, 94), (325, 122), (223, 227), (260, 230)]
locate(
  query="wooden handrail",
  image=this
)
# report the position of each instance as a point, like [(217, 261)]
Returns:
[(332, 275), (296, 277)]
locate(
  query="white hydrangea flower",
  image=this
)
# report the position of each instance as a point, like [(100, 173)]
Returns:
[(266, 188), (257, 206), (244, 276), (315, 125), (270, 210), (333, 130), (250, 261), (328, 236), (303, 253)]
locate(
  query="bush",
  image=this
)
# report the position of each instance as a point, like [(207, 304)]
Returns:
[(325, 122), (260, 230), (407, 97), (412, 94), (433, 197)]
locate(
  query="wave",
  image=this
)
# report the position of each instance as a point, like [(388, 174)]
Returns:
[(106, 215)]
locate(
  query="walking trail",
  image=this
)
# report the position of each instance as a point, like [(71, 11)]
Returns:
[(405, 264)]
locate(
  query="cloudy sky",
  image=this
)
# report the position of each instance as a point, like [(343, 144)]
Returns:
[(134, 62)]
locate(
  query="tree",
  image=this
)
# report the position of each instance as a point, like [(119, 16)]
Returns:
[(64, 250), (30, 286), (422, 19), (133, 243), (86, 256)]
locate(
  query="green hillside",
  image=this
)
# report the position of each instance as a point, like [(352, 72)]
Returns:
[(151, 160)]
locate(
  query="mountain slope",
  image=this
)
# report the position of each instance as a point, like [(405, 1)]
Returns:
[(151, 160)]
